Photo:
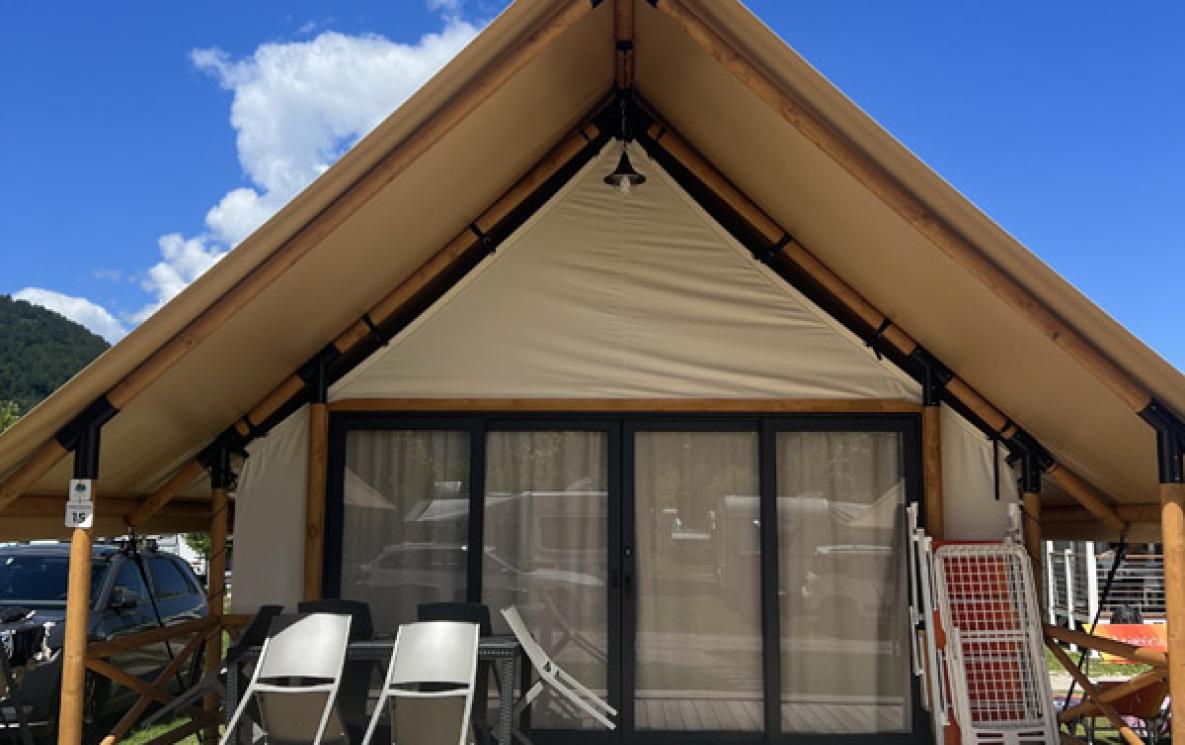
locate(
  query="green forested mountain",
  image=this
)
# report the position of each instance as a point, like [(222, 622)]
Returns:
[(39, 350)]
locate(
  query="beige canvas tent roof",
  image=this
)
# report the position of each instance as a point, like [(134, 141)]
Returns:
[(1014, 332)]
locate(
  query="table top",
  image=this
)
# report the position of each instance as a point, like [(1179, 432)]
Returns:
[(498, 646)]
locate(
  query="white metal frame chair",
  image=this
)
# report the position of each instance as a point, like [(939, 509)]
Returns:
[(551, 674), (433, 661), (301, 662)]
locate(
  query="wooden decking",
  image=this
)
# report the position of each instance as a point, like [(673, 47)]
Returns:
[(745, 715)]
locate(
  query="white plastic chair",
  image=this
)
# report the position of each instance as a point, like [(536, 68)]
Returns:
[(432, 673), (297, 680), (551, 674)]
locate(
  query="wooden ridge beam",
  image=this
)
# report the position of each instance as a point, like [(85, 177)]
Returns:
[(894, 195), (794, 255), (624, 58), (292, 250)]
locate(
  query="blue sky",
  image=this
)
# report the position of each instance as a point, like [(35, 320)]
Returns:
[(141, 140)]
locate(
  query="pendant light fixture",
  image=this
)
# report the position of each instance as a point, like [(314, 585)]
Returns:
[(624, 177)]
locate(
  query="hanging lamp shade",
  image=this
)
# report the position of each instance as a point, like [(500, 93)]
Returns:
[(624, 176)]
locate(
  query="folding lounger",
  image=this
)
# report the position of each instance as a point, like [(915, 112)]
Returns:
[(553, 676)]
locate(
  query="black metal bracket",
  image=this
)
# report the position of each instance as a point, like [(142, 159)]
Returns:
[(767, 254), (874, 341), (221, 475), (94, 416), (315, 374), (483, 238), (375, 332), (624, 45), (1170, 441), (934, 377)]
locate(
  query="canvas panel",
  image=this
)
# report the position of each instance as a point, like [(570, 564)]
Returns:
[(609, 296)]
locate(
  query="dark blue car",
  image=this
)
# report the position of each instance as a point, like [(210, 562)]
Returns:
[(123, 591)]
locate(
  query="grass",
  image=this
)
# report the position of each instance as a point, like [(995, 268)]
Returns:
[(1098, 668)]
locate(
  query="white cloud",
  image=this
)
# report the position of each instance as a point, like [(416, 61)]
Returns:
[(80, 310), (297, 107)]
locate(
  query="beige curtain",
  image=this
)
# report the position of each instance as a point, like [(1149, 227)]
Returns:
[(841, 568), (406, 518), (698, 571), (546, 552)]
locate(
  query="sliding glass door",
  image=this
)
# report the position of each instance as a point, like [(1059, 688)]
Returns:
[(717, 578)]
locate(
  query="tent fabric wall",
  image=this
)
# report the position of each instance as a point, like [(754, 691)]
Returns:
[(269, 518), (971, 509), (605, 296)]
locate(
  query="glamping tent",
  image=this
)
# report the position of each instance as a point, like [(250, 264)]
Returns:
[(675, 420)]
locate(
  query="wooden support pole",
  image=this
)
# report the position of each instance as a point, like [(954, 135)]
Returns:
[(932, 469), (216, 586), (314, 534), (1086, 495), (184, 476), (78, 593), (898, 198), (36, 466), (1172, 527), (1031, 528), (1092, 691)]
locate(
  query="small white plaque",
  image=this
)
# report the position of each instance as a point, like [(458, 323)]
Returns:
[(80, 514), (81, 490)]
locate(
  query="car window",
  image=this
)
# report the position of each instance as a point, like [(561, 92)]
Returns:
[(167, 578), (130, 580), (35, 579)]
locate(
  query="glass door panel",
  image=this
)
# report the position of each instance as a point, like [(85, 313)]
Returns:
[(697, 631), (405, 520), (844, 643), (546, 552)]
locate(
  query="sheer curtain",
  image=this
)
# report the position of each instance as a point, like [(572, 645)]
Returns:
[(406, 518), (698, 571), (841, 567), (546, 552)]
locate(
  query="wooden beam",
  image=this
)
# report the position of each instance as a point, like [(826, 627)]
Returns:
[(215, 595), (127, 680), (932, 469), (454, 111), (746, 405), (139, 639), (314, 531), (1172, 525), (1110, 695), (623, 49), (185, 475), (36, 466), (129, 719), (1092, 691), (898, 198), (1031, 530), (1142, 655), (1086, 495), (1128, 513), (74, 652)]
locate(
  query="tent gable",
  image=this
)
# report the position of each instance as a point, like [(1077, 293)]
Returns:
[(605, 295)]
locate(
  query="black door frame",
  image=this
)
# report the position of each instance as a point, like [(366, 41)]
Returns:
[(622, 581)]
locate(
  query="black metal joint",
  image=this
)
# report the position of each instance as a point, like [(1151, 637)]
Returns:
[(483, 238), (767, 254), (625, 45), (94, 416), (86, 452), (874, 342), (315, 374), (1170, 441), (934, 378), (375, 332), (221, 475), (1025, 446)]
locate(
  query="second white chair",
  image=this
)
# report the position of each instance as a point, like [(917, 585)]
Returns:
[(429, 684)]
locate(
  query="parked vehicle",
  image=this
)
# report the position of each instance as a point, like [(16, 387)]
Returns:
[(130, 592)]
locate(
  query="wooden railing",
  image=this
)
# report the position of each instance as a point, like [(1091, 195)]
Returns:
[(207, 630)]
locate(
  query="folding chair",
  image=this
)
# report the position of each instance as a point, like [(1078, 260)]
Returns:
[(430, 681), (253, 636), (551, 674), (296, 681)]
